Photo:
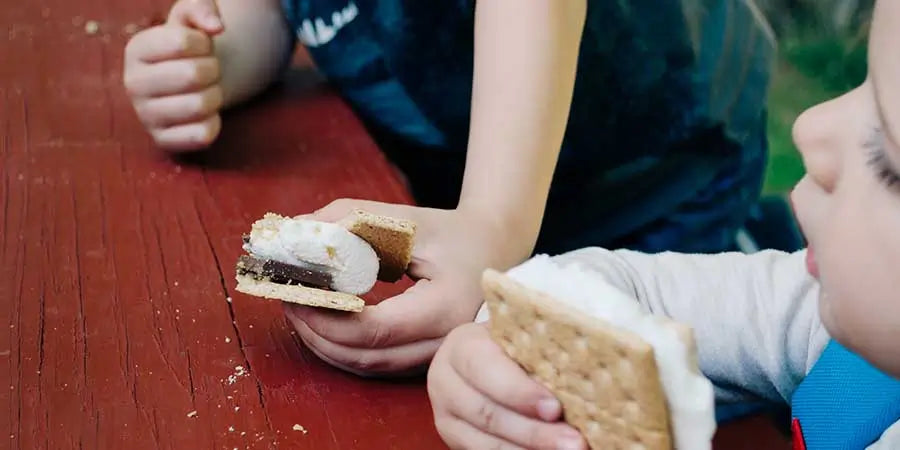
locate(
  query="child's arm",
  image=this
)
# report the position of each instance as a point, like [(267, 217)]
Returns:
[(525, 60), (755, 321), (755, 317), (253, 48), (524, 74)]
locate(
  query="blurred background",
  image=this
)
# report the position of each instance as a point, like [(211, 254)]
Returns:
[(822, 53)]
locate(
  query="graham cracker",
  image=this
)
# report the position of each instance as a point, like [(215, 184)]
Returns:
[(301, 295), (392, 239), (605, 378)]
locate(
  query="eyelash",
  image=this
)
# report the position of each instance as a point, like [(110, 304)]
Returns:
[(879, 162)]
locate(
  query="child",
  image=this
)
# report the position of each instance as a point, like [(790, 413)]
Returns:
[(646, 122), (819, 329)]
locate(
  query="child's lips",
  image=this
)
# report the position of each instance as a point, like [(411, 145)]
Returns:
[(811, 265)]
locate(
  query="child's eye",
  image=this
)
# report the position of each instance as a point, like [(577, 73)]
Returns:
[(879, 161), (885, 173)]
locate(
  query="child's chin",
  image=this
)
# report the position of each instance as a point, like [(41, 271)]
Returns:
[(885, 357), (890, 364), (827, 316)]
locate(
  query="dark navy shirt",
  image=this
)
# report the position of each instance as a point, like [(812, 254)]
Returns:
[(665, 145)]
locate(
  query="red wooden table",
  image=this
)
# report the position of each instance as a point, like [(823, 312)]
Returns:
[(119, 324)]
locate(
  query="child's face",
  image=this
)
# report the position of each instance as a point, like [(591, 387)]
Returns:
[(848, 204)]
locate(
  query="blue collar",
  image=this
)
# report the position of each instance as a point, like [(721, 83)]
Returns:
[(844, 403)]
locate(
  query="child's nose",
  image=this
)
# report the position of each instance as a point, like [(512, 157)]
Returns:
[(817, 134)]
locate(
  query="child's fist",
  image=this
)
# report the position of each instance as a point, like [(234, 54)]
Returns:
[(172, 77)]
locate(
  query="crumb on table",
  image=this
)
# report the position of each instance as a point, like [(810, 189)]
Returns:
[(91, 27)]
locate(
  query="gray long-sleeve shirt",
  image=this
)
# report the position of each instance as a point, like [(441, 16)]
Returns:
[(755, 317)]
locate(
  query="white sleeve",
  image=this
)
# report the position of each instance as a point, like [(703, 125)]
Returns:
[(755, 317), (890, 440)]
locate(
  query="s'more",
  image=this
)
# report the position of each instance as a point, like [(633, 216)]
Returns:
[(626, 379), (323, 264)]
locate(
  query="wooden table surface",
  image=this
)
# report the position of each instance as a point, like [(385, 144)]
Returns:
[(116, 262)]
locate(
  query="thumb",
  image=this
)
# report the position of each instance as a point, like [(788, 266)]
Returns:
[(202, 15)]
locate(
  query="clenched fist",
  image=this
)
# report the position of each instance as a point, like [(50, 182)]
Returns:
[(172, 76)]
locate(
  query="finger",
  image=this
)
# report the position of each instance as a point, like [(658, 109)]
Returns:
[(175, 77), (200, 14), (413, 315), (192, 136), (411, 371), (460, 435), (166, 43), (165, 112), (407, 358), (505, 383), (492, 418)]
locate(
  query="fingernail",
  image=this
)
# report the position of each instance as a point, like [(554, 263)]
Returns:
[(548, 409), (570, 443)]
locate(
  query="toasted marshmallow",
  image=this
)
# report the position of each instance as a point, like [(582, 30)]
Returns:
[(320, 246)]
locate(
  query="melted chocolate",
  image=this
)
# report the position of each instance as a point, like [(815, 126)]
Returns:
[(282, 273)]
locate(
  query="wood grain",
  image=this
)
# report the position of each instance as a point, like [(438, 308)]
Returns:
[(119, 324), (118, 261)]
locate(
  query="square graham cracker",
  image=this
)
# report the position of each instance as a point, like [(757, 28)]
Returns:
[(605, 378), (393, 240)]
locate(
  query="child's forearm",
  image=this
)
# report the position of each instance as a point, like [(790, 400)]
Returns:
[(525, 61), (253, 48), (755, 317)]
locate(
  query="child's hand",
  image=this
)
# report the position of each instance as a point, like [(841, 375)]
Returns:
[(483, 399), (401, 334), (172, 76)]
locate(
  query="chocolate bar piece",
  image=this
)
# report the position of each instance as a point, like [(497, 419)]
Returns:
[(282, 273)]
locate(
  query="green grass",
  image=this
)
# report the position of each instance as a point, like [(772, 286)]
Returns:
[(811, 69)]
